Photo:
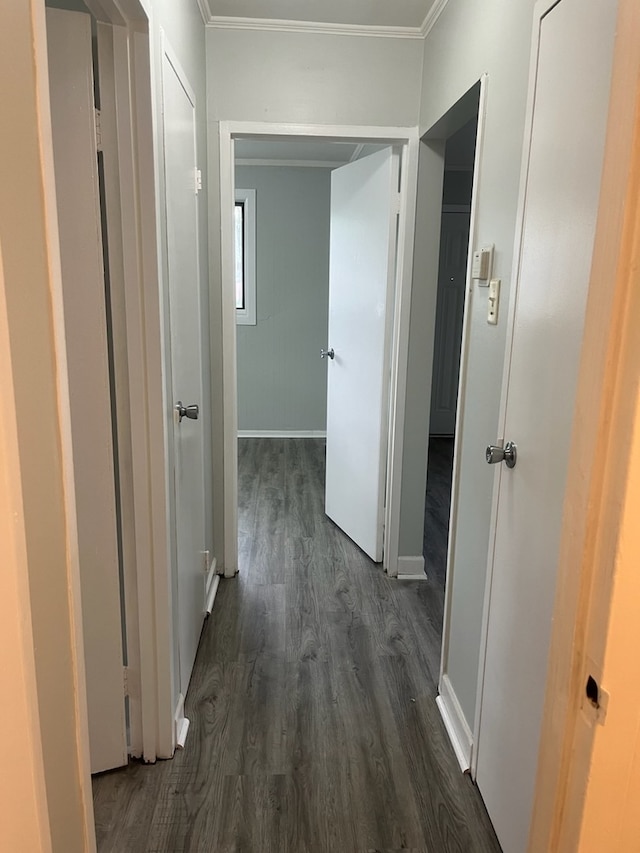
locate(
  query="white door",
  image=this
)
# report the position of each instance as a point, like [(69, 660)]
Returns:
[(78, 204), (561, 200), (364, 198), (452, 274), (186, 354)]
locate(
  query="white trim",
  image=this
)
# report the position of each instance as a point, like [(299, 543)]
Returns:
[(113, 47), (411, 568), (432, 16), (400, 350), (455, 724), (296, 164), (223, 22), (462, 379), (247, 316), (407, 137), (211, 597), (282, 433), (228, 22), (181, 724), (357, 151)]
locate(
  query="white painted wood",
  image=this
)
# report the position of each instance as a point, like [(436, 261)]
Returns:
[(328, 18), (361, 279), (452, 286), (78, 201), (455, 723), (462, 382), (563, 169), (411, 568), (179, 134), (408, 139), (114, 80), (182, 724)]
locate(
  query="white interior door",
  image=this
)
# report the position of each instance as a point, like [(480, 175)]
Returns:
[(364, 199), (78, 204), (561, 201), (452, 275), (186, 359)]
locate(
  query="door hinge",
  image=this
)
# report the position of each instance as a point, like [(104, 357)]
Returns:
[(98, 120), (125, 680), (397, 203), (198, 181)]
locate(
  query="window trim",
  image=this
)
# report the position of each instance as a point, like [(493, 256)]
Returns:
[(247, 316)]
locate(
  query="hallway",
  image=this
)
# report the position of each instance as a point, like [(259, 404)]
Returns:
[(313, 721)]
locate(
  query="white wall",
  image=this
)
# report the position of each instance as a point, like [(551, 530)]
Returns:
[(313, 78), (292, 78), (469, 40), (282, 382)]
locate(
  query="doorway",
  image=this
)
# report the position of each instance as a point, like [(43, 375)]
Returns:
[(397, 313), (459, 156)]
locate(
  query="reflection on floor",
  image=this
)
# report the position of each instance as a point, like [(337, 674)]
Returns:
[(313, 722)]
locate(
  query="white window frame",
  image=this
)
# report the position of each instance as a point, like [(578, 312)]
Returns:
[(247, 316)]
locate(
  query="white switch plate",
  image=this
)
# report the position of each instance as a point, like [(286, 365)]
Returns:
[(482, 263), (493, 301)]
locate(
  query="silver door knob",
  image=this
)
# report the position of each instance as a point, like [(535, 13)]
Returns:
[(327, 352), (192, 412), (507, 454)]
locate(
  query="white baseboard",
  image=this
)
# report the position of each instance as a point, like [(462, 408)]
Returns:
[(282, 433), (181, 723), (455, 723), (411, 569)]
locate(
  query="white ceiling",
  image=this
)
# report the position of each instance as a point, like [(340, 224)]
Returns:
[(362, 14), (301, 151)]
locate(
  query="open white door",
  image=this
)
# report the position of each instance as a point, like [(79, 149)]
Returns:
[(572, 80), (78, 204), (186, 358), (364, 208)]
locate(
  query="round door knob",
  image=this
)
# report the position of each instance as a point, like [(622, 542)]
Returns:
[(192, 412), (507, 454), (329, 353)]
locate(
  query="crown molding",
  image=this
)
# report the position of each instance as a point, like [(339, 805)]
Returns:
[(223, 22), (432, 16), (281, 26)]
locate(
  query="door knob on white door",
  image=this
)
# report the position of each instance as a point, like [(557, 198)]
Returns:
[(192, 412), (329, 353), (507, 454)]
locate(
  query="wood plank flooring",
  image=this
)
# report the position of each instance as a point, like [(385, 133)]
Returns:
[(313, 722)]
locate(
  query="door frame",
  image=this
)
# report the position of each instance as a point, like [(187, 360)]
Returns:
[(407, 138), (133, 87), (430, 212)]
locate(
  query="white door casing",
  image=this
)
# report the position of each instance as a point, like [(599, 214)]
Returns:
[(572, 80), (452, 275), (364, 207), (179, 128), (78, 204)]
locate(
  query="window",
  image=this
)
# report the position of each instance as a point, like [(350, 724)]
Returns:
[(245, 256)]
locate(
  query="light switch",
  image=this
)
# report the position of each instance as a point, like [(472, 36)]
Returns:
[(493, 301), (481, 265)]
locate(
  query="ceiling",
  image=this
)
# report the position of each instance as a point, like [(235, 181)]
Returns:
[(408, 17), (304, 152)]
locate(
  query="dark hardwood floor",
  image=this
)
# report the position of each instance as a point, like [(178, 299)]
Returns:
[(313, 722)]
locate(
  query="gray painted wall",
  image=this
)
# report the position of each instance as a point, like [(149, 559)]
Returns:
[(282, 382), (468, 40)]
